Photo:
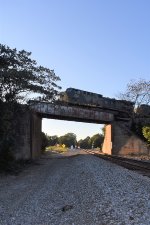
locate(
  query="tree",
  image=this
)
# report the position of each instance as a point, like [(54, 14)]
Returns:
[(52, 140), (85, 143), (44, 141), (68, 139), (146, 133), (20, 76), (97, 140), (103, 130), (137, 92)]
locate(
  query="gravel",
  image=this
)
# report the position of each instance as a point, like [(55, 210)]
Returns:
[(75, 190)]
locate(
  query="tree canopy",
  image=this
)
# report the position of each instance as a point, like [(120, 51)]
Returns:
[(52, 140), (91, 142), (97, 140), (68, 139), (21, 77), (146, 133), (137, 92), (85, 143)]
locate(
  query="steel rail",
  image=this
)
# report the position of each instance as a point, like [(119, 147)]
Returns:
[(132, 164)]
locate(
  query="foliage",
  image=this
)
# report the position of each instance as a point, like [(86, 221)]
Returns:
[(85, 143), (142, 131), (146, 133), (20, 76), (137, 92), (136, 128), (97, 140), (52, 140), (91, 142), (68, 139), (103, 130), (6, 129), (59, 149), (44, 141)]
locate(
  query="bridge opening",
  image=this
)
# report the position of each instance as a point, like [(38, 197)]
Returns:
[(115, 114), (85, 132), (86, 115)]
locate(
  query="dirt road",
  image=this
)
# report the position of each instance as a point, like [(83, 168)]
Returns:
[(74, 190)]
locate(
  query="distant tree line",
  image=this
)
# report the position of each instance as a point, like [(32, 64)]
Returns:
[(70, 139)]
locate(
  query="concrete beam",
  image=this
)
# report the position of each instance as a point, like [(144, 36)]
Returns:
[(73, 113)]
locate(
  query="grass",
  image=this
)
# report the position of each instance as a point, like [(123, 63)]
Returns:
[(57, 149)]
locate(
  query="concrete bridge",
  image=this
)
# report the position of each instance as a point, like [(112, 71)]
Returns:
[(118, 137), (71, 113)]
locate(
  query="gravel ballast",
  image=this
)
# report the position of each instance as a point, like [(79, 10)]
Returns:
[(75, 190)]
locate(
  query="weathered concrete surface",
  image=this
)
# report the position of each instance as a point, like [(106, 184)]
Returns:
[(125, 142), (22, 135), (35, 135), (134, 145), (72, 113), (27, 135), (119, 140), (107, 144)]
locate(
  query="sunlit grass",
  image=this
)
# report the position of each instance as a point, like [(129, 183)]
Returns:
[(59, 149)]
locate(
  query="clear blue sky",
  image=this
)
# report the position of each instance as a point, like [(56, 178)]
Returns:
[(94, 45)]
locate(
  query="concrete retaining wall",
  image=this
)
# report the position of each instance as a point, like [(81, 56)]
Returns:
[(28, 136), (22, 136), (23, 132), (119, 140), (36, 124)]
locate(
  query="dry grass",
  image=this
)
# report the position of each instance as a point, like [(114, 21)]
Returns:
[(57, 149)]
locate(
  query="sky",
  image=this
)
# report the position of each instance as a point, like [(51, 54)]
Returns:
[(93, 45)]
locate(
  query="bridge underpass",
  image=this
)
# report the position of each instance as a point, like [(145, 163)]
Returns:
[(63, 112), (58, 128), (118, 136)]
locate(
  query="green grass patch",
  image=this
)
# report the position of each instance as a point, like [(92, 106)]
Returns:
[(59, 149)]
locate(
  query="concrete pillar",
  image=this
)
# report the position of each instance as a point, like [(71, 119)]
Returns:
[(120, 135), (107, 145), (119, 140), (28, 136), (35, 139), (22, 145)]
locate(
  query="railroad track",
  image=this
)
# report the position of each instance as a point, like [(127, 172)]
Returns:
[(142, 167)]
